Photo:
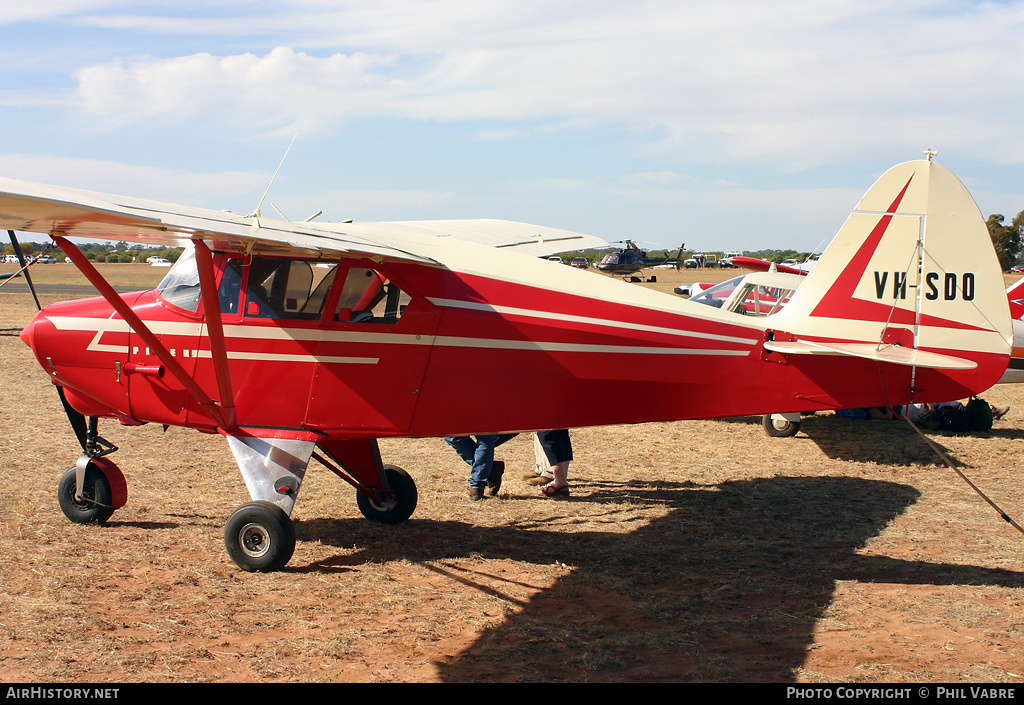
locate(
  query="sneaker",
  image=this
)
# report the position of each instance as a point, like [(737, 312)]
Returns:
[(999, 412), (494, 481), (538, 480)]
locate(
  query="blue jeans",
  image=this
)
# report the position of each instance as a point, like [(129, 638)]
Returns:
[(478, 453)]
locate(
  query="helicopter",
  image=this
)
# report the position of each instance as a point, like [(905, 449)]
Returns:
[(631, 259)]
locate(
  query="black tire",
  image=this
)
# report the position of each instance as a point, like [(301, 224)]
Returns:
[(396, 508), (259, 537), (780, 428), (97, 497)]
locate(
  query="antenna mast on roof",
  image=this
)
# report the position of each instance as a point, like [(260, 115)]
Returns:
[(256, 213)]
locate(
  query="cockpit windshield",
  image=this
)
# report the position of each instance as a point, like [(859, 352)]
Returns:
[(758, 294), (180, 286), (717, 295)]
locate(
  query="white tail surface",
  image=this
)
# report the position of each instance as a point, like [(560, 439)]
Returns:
[(915, 256), (914, 267)]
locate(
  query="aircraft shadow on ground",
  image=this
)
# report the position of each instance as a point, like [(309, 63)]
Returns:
[(883, 442), (727, 586)]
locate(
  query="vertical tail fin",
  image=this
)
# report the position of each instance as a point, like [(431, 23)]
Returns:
[(913, 266)]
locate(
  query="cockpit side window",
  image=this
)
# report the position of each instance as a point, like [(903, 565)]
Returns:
[(368, 296), (291, 289), (287, 288), (230, 289)]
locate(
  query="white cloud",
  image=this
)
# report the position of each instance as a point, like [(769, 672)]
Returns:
[(799, 81), (38, 10), (211, 190), (656, 115), (282, 86)]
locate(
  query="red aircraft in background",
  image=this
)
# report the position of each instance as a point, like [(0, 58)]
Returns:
[(303, 341)]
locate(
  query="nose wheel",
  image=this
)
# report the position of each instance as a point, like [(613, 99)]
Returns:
[(94, 505), (259, 537), (399, 502)]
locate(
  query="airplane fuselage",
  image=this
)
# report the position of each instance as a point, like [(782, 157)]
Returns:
[(459, 354)]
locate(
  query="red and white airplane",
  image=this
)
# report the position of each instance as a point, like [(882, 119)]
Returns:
[(1015, 293), (300, 341), (751, 263)]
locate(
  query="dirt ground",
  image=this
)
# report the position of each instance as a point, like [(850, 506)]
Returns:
[(700, 551)]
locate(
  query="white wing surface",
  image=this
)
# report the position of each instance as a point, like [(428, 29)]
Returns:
[(69, 212)]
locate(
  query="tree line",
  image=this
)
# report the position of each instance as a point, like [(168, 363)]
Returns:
[(103, 251), (1007, 239)]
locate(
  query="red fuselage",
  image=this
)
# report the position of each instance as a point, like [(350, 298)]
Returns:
[(363, 350)]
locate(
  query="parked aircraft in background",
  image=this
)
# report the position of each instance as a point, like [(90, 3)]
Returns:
[(631, 259), (751, 263)]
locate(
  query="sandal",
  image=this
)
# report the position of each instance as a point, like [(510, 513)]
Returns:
[(549, 490)]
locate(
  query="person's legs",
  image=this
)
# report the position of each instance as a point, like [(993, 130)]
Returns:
[(479, 455), (558, 448), (483, 457), (465, 446)]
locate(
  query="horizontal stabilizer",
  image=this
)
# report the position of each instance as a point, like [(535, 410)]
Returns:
[(896, 354)]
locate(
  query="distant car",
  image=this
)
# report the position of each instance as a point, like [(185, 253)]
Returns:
[(690, 263), (791, 263), (580, 262), (47, 260), (1017, 268), (553, 258), (727, 260)]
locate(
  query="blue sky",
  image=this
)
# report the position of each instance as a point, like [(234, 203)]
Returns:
[(726, 124)]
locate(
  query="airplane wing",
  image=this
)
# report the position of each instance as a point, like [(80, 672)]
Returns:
[(761, 265), (534, 240), (69, 212)]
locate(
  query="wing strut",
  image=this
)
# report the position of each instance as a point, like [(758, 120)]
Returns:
[(221, 416), (24, 267), (215, 329)]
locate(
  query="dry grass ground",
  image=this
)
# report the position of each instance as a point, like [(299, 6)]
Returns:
[(690, 551)]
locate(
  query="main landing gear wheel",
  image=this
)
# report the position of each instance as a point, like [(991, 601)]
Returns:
[(395, 508), (259, 537), (96, 504), (779, 428)]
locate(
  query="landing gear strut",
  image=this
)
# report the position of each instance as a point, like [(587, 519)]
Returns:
[(94, 488), (260, 537)]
